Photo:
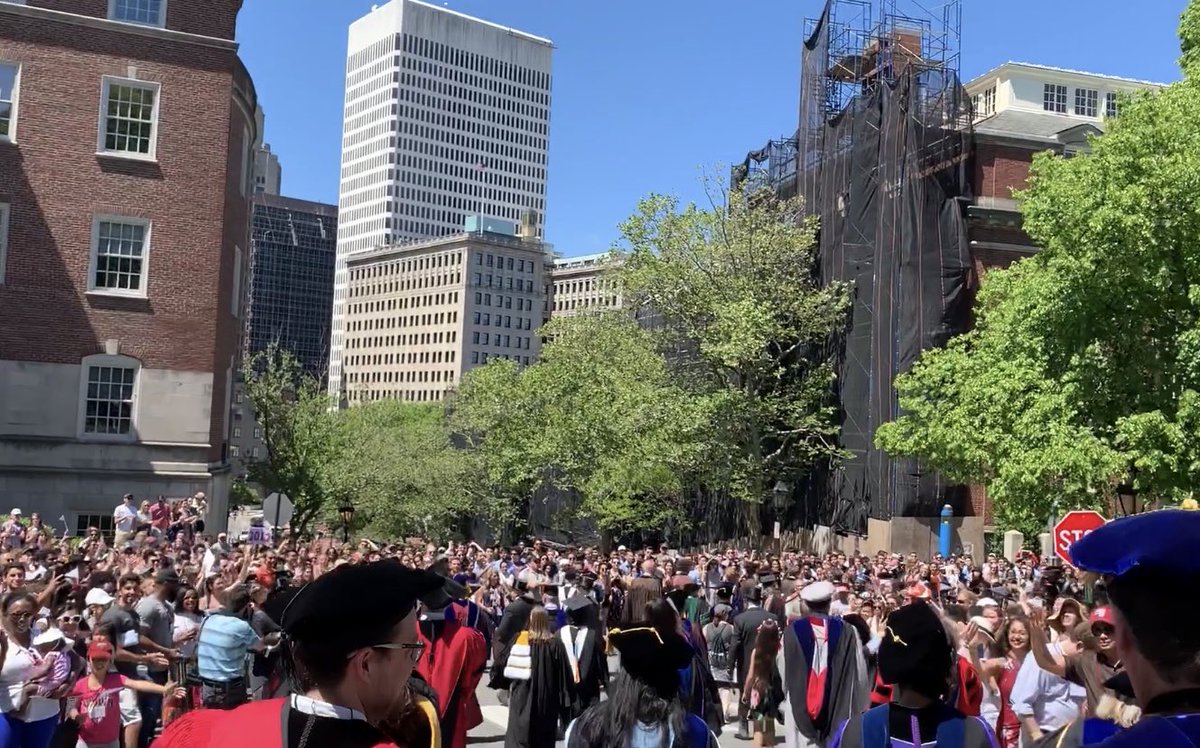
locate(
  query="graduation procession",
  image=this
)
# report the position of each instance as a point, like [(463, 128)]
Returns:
[(409, 647)]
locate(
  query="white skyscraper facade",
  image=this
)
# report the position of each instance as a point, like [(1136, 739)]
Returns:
[(446, 119)]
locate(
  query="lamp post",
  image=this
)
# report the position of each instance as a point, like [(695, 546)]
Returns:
[(346, 512), (1126, 500), (779, 498)]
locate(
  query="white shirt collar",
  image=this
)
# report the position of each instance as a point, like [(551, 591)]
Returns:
[(305, 705)]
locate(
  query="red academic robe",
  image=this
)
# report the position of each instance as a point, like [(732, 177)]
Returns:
[(453, 665), (257, 723)]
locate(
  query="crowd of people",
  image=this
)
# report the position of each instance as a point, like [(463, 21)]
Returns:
[(109, 639)]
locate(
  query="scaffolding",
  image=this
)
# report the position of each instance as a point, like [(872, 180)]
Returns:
[(882, 151)]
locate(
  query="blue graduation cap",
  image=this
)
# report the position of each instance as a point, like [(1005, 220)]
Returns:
[(1164, 539)]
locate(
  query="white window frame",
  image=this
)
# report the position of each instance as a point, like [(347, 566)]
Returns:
[(162, 15), (106, 83), (11, 137), (1082, 100), (5, 212), (102, 359), (1059, 99), (1112, 104), (94, 255)]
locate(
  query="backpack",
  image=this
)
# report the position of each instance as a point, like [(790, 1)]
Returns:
[(719, 660)]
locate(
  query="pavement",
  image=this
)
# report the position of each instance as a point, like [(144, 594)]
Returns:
[(490, 734)]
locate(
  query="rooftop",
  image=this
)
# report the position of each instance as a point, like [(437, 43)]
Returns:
[(462, 237), (1038, 126), (1067, 71), (509, 29)]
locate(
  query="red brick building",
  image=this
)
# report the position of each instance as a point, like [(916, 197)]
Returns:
[(1020, 110), (127, 131)]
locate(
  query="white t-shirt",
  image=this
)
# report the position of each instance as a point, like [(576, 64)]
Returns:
[(19, 663), (185, 622), (124, 517)]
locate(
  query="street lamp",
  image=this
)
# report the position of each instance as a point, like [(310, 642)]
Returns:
[(781, 493), (1126, 499), (346, 512)]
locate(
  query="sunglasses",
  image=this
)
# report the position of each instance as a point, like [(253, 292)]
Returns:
[(70, 619)]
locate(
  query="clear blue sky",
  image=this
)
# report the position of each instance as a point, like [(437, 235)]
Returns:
[(648, 93)]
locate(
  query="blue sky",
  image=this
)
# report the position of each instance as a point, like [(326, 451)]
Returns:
[(650, 93)]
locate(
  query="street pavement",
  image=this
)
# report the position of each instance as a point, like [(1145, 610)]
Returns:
[(495, 720)]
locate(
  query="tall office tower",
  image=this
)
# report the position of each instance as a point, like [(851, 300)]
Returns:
[(446, 119)]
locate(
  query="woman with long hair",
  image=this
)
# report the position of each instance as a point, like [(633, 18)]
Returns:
[(540, 696), (999, 674), (763, 690), (643, 706)]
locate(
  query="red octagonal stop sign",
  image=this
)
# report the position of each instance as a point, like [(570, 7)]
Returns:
[(1072, 527)]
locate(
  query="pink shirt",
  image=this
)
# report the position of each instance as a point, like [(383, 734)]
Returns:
[(100, 709)]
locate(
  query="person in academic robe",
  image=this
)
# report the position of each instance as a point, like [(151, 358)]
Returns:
[(467, 611), (514, 620), (917, 657), (541, 694), (644, 706), (585, 651), (824, 673), (1148, 561), (698, 688), (454, 661), (745, 633), (352, 643)]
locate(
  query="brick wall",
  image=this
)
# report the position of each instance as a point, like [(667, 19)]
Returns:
[(999, 169), (55, 184), (216, 18)]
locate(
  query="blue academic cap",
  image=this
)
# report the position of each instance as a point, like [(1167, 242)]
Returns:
[(1164, 539)]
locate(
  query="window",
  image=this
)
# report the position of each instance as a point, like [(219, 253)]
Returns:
[(235, 450), (254, 453), (9, 75), (119, 251), (129, 118), (1054, 98), (4, 211), (108, 390), (1110, 104), (237, 432), (102, 522), (1086, 100), (147, 12)]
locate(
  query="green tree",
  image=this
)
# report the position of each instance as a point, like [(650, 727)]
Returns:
[(737, 287), (598, 415), (1083, 371), (396, 464), (299, 431)]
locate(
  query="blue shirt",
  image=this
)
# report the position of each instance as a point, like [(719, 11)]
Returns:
[(221, 648)]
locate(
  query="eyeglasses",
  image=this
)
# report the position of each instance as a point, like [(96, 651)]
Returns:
[(70, 619), (416, 649)]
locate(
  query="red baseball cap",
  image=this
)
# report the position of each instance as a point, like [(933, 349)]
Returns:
[(265, 576), (1101, 615), (100, 649), (918, 591)]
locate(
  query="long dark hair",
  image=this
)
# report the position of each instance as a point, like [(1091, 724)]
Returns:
[(630, 701), (766, 646)]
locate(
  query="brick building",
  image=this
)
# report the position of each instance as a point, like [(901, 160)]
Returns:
[(127, 138), (1022, 109)]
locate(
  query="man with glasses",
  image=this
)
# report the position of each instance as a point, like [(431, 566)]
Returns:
[(353, 642)]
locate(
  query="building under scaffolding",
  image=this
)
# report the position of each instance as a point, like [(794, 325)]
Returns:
[(881, 156)]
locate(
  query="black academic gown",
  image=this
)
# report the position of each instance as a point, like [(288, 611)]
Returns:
[(537, 706), (593, 666), (846, 675), (513, 622)]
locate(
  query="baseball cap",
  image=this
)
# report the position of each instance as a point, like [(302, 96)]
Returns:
[(97, 596), (15, 512), (1102, 614), (100, 649)]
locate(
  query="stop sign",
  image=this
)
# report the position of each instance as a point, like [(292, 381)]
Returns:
[(1072, 527)]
